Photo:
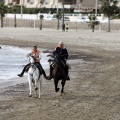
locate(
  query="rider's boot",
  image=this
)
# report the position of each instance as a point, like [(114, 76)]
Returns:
[(50, 76), (21, 74)]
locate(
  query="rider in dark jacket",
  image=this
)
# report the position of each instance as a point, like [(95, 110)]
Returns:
[(60, 54)]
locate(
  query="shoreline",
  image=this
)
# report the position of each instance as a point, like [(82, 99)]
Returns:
[(12, 81)]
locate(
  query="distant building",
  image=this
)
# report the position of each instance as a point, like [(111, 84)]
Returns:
[(52, 3), (32, 3), (82, 5)]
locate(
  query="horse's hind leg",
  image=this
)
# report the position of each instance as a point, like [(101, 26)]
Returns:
[(39, 89), (63, 84), (56, 84)]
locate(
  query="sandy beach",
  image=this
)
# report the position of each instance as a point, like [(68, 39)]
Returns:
[(93, 93)]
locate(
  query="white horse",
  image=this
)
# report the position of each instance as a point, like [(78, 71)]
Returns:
[(33, 76)]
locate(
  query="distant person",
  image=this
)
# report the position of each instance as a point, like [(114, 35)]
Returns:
[(37, 53), (63, 27), (67, 27)]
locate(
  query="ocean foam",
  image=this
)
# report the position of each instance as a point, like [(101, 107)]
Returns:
[(13, 59)]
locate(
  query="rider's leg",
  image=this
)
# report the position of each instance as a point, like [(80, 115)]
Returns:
[(42, 70), (21, 74), (50, 76)]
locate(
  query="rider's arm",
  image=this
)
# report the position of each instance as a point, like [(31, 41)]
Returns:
[(54, 53), (66, 54), (39, 57), (57, 51)]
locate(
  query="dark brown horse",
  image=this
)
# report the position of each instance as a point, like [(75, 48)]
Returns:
[(59, 73)]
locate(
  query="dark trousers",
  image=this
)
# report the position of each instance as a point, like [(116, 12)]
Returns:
[(43, 72), (38, 64), (25, 68)]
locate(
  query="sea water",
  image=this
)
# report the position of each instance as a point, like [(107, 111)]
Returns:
[(13, 59)]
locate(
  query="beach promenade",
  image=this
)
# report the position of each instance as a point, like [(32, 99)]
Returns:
[(93, 93)]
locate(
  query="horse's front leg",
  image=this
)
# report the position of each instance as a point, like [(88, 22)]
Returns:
[(39, 89), (30, 85), (63, 84), (36, 88), (56, 84)]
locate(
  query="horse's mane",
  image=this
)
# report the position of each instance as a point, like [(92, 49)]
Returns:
[(33, 57)]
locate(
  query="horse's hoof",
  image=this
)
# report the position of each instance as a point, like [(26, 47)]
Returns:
[(36, 88), (35, 96), (30, 95), (57, 89), (39, 97)]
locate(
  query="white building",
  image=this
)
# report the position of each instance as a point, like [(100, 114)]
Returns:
[(78, 4), (34, 3)]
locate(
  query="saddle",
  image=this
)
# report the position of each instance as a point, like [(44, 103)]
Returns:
[(27, 68)]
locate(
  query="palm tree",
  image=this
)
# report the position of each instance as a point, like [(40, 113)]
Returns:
[(108, 7), (41, 18), (15, 10), (58, 16), (3, 11), (92, 22)]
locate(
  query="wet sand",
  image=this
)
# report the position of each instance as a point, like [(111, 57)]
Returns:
[(93, 93)]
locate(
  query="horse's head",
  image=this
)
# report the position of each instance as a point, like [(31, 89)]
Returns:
[(31, 58)]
